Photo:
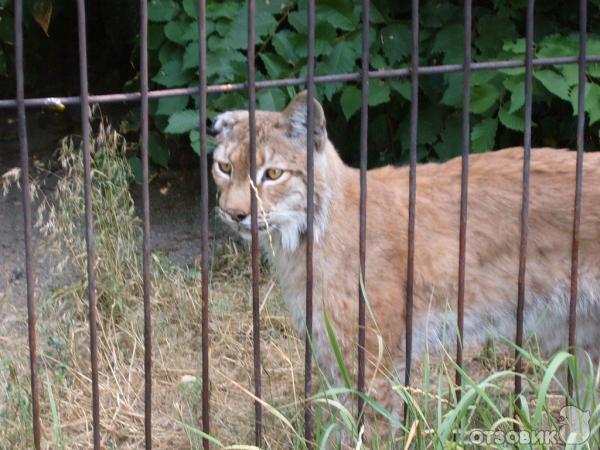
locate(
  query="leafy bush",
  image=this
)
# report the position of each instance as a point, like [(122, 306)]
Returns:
[(497, 97)]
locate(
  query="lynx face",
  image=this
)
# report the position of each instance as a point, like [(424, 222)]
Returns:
[(280, 175)]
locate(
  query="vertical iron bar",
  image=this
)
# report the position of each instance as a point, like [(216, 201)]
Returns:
[(578, 185), (27, 223), (525, 198), (146, 225), (310, 213), (204, 220), (254, 219), (362, 234), (89, 218), (464, 187), (412, 199)]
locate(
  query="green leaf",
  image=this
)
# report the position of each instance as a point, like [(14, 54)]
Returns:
[(350, 101), (236, 36), (516, 46), (284, 46), (341, 59), (158, 150), (339, 16), (574, 97), (450, 144), (156, 36), (554, 82), (453, 95), (489, 27), (571, 73), (449, 41), (430, 126), (169, 52), (517, 97), (162, 10), (172, 74), (276, 66), (396, 42), (227, 10), (325, 35), (271, 99), (195, 142), (513, 121), (169, 105), (555, 45), (402, 87), (483, 98), (136, 168), (592, 105), (191, 8), (183, 121), (191, 56), (483, 135), (592, 101), (379, 92), (174, 31)]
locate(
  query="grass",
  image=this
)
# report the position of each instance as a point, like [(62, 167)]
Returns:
[(436, 418)]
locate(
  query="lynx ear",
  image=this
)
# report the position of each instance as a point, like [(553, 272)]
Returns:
[(224, 123), (296, 114)]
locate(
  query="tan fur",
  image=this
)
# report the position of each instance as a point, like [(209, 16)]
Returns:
[(493, 234)]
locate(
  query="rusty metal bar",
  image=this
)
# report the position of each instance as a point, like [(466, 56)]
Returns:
[(578, 186), (362, 233), (89, 218), (204, 220), (146, 246), (254, 220), (310, 214), (464, 187), (27, 224), (412, 196), (525, 198), (321, 79)]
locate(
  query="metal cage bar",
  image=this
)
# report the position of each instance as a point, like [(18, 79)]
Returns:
[(310, 217), (464, 189), (362, 232), (89, 218), (320, 79), (204, 219), (254, 220), (578, 186), (27, 224), (146, 245), (412, 194), (525, 198)]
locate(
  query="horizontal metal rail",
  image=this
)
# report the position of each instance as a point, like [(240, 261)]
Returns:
[(322, 79)]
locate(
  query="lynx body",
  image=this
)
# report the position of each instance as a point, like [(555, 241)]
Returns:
[(492, 255)]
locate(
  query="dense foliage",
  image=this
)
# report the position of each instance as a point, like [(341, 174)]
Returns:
[(281, 27), (497, 97)]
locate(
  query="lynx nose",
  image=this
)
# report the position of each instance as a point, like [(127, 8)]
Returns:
[(236, 214)]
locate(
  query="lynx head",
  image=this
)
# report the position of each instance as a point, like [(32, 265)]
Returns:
[(281, 184)]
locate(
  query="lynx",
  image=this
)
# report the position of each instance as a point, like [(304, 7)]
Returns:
[(492, 251)]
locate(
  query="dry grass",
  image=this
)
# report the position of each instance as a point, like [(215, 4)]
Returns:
[(63, 334)]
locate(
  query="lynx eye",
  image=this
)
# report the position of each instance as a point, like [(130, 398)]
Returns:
[(273, 174), (225, 167)]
